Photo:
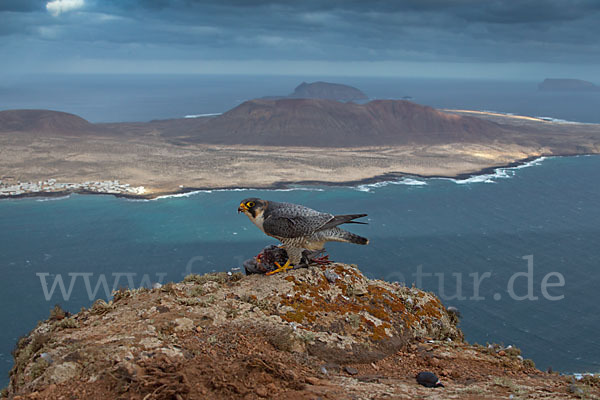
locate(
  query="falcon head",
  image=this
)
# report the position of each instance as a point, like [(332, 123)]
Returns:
[(253, 207)]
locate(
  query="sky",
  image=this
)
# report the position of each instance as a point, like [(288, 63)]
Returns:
[(423, 38)]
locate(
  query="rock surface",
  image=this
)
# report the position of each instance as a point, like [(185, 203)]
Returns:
[(295, 335)]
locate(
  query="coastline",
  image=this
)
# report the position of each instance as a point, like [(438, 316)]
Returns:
[(291, 185), (152, 166)]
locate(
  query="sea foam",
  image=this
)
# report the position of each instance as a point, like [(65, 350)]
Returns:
[(186, 194), (53, 198), (499, 173), (403, 181), (196, 192)]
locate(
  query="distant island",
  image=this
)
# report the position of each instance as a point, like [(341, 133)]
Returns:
[(329, 91), (283, 122), (576, 85), (328, 123), (270, 143), (324, 90)]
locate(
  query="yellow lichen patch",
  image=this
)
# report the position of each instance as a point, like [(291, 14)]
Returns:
[(314, 299), (409, 320), (430, 309), (379, 331), (378, 312), (344, 270), (385, 300), (294, 316)]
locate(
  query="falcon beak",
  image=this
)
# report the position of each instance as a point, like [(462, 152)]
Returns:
[(242, 208)]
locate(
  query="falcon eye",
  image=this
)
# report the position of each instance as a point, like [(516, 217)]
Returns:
[(250, 204)]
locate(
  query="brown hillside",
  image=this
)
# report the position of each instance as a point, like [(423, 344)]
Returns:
[(326, 90), (44, 121), (318, 122)]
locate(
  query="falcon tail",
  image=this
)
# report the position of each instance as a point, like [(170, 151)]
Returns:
[(353, 238), (344, 219)]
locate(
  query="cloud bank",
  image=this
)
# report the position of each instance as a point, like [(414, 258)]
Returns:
[(382, 32), (57, 7)]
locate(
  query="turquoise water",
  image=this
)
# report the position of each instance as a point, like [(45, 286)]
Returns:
[(485, 225)]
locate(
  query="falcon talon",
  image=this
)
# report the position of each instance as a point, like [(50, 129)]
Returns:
[(285, 267)]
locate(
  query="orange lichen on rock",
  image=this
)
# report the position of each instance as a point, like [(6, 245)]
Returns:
[(318, 305)]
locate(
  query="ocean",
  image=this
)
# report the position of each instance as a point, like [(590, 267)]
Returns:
[(440, 234), (516, 251)]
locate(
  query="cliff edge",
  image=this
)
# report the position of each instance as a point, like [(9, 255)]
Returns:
[(322, 332)]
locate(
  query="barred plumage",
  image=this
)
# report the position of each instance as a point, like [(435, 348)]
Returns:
[(299, 227)]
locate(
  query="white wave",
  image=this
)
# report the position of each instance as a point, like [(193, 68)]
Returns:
[(579, 375), (232, 190), (562, 121), (412, 182), (403, 181), (195, 192), (532, 163), (305, 189), (202, 115), (186, 194), (499, 173), (53, 198)]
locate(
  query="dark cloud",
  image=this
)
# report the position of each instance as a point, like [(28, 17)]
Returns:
[(499, 11), (22, 5), (530, 11), (333, 30)]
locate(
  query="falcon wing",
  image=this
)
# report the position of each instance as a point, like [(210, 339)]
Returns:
[(281, 225), (343, 219)]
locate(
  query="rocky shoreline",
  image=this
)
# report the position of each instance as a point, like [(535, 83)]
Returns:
[(325, 332), (54, 188), (150, 194)]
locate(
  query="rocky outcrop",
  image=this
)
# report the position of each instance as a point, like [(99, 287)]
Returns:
[(325, 331)]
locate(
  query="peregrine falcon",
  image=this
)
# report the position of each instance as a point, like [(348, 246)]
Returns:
[(299, 227)]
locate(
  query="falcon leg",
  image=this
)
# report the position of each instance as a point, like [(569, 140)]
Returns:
[(294, 259), (316, 257), (281, 268)]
